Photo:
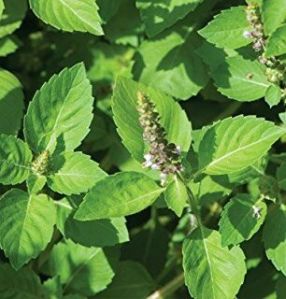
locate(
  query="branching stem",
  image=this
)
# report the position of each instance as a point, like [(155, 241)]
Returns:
[(169, 288)]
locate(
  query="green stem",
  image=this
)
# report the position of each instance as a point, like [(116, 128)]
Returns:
[(229, 111), (46, 253), (192, 199), (169, 288)]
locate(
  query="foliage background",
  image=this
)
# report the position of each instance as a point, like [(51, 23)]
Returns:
[(213, 75)]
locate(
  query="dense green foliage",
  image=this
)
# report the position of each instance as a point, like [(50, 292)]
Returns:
[(142, 149)]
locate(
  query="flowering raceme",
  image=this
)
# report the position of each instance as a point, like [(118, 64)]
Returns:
[(162, 156)]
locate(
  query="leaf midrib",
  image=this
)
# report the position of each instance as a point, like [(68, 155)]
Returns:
[(208, 259)]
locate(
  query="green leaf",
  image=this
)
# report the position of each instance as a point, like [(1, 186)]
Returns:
[(74, 173), (157, 16), (53, 288), (276, 44), (241, 79), (118, 195), (274, 238), (12, 16), (236, 143), (22, 284), (273, 15), (69, 15), (227, 28), (282, 117), (241, 218), (281, 176), (15, 160), (212, 271), (60, 112), (273, 95), (1, 7), (131, 279), (26, 225), (170, 63), (11, 103), (83, 270), (126, 117), (97, 233), (107, 9), (8, 45), (176, 196)]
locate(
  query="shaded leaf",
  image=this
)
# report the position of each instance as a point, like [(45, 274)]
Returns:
[(12, 16), (125, 27), (150, 248), (274, 238), (281, 287), (131, 281), (22, 284), (281, 176), (83, 270), (107, 9), (158, 16), (170, 63), (11, 103), (98, 233)]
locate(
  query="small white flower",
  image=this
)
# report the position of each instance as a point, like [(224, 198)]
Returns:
[(256, 212), (247, 34), (163, 177), (178, 150), (155, 166), (148, 157), (147, 164), (258, 46)]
